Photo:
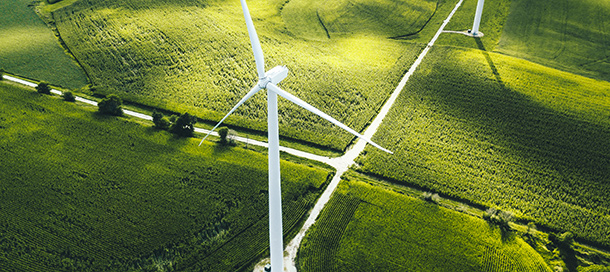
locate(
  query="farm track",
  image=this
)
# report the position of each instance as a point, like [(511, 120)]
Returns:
[(341, 164)]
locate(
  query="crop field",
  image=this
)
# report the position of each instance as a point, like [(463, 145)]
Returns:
[(28, 48), (570, 35), (195, 56), (85, 192), (321, 20), (493, 20), (368, 228), (505, 133)]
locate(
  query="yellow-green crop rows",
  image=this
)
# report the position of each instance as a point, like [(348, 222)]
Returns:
[(195, 56), (506, 133), (86, 192), (371, 228)]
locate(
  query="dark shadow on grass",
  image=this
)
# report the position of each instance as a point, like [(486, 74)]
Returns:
[(553, 154), (494, 70), (571, 148)]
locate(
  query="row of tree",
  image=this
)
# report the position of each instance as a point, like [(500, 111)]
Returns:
[(112, 104)]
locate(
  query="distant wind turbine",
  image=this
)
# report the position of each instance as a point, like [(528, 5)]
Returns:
[(477, 18), (268, 81)]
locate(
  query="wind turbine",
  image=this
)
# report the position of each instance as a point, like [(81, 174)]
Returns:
[(268, 80), (477, 18)]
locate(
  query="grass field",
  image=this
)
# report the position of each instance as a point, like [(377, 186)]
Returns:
[(493, 20), (195, 56), (368, 228), (571, 35), (28, 48), (86, 192), (322, 20), (506, 133)]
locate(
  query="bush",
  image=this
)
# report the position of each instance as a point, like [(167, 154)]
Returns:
[(427, 196), (111, 105), (184, 125), (566, 239), (500, 218), (1, 74), (160, 121), (223, 132), (68, 96), (43, 88)]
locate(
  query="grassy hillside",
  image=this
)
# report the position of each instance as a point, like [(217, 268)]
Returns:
[(369, 228), (324, 20), (571, 35), (28, 48), (505, 133), (493, 20), (195, 56), (86, 192)]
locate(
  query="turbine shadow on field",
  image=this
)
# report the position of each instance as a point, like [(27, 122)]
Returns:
[(565, 148), (494, 70)]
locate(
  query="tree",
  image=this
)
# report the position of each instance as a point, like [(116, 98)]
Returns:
[(160, 121), (68, 96), (43, 88), (184, 125), (223, 132), (111, 105), (1, 74)]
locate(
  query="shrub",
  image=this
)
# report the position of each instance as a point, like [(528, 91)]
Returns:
[(223, 132), (68, 96), (184, 125), (43, 88), (160, 121), (500, 218), (427, 196), (566, 239), (1, 74), (111, 105)]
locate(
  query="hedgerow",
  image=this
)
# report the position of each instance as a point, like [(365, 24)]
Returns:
[(503, 133), (86, 193)]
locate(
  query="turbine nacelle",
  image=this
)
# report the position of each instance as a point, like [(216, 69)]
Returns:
[(274, 76)]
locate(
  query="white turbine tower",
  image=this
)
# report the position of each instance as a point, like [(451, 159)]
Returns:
[(268, 81), (477, 18)]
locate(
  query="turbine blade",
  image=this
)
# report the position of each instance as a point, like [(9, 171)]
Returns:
[(256, 45), (296, 100), (254, 90)]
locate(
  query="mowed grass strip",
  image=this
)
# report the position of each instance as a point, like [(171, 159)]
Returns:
[(196, 56), (87, 192), (382, 230), (505, 133), (29, 48)]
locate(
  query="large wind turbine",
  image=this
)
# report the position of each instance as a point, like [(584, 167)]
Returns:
[(268, 80), (477, 18)]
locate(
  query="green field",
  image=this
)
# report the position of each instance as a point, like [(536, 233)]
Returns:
[(320, 20), (369, 228), (505, 133), (85, 192), (29, 48), (493, 20), (195, 56), (570, 35)]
